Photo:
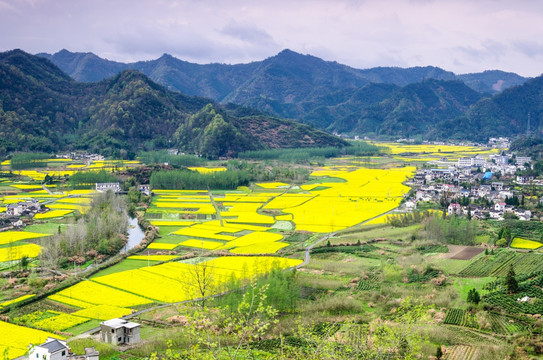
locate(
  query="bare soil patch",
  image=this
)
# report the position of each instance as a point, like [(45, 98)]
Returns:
[(464, 252)]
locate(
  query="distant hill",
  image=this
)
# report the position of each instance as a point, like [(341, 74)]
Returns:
[(288, 84), (384, 109), (42, 108), (517, 110)]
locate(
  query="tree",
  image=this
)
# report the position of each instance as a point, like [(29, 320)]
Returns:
[(510, 281), (439, 353), (200, 280), (24, 262), (501, 242), (473, 297)]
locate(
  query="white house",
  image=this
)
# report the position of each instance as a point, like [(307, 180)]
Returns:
[(464, 162), (55, 349), (103, 187), (14, 209), (51, 349), (454, 209), (120, 331), (499, 206)]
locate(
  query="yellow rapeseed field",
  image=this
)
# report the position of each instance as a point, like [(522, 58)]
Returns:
[(17, 252), (202, 244), (98, 294), (103, 312), (7, 237), (53, 214), (161, 246), (60, 322), (15, 339)]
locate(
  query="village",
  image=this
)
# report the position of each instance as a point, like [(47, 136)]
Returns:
[(477, 187)]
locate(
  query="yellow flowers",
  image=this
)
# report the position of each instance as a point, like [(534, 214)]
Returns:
[(60, 322), (97, 294), (203, 244), (525, 244), (52, 214), (173, 282), (13, 301), (103, 312), (162, 246), (7, 237), (17, 252), (207, 170), (15, 339)]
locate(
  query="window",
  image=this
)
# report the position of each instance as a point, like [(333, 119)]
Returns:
[(63, 352), (120, 339), (113, 331), (37, 355)]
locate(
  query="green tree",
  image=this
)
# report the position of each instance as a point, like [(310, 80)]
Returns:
[(439, 353), (510, 281), (473, 297)]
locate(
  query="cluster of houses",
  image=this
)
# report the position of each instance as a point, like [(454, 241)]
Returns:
[(114, 331), (470, 178), (496, 212), (74, 155)]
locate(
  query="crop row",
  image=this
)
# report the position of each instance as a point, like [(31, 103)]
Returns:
[(498, 265), (461, 318), (462, 352)]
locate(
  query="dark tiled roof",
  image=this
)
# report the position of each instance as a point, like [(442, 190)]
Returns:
[(53, 346)]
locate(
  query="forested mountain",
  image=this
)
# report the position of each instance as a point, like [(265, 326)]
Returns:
[(41, 108), (517, 110), (384, 109), (288, 84)]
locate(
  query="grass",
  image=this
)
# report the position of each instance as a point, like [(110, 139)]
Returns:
[(373, 232), (124, 266), (47, 228), (463, 285), (450, 266), (106, 351), (171, 239), (165, 230), (81, 328)]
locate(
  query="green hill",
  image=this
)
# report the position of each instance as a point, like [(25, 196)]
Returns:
[(43, 109)]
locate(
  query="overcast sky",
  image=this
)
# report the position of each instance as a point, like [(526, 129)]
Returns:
[(457, 35)]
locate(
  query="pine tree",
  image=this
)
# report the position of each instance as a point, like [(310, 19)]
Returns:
[(510, 281)]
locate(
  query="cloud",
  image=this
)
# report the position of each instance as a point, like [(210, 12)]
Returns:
[(531, 49), (248, 33), (461, 35)]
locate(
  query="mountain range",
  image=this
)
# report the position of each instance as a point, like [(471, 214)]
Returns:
[(381, 101), (43, 109)]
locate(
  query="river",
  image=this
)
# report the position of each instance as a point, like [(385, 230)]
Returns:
[(135, 234)]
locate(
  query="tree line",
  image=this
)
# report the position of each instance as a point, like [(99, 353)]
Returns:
[(192, 180), (358, 148)]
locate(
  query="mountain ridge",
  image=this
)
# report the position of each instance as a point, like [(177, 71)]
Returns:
[(42, 108)]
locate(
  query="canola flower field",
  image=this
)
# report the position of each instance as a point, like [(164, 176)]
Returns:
[(241, 222)]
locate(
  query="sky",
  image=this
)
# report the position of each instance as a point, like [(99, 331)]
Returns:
[(462, 36)]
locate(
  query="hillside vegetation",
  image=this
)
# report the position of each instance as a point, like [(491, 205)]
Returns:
[(43, 109)]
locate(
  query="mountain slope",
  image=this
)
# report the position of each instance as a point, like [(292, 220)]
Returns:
[(516, 110), (287, 84), (43, 109)]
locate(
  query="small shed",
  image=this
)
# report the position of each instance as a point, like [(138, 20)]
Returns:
[(120, 332)]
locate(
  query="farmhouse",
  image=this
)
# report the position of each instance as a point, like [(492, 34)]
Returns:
[(103, 187), (55, 349), (119, 332), (454, 209)]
